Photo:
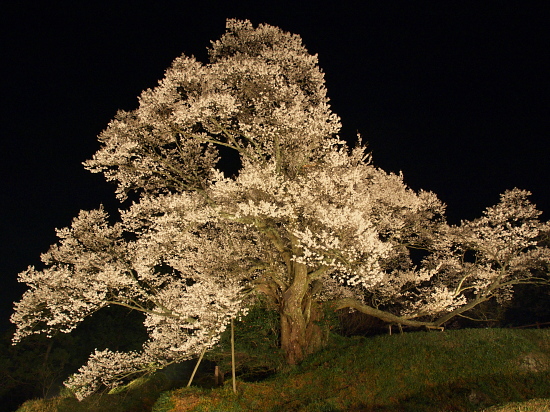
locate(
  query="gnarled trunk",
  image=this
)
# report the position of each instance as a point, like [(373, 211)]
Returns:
[(300, 332), (301, 335)]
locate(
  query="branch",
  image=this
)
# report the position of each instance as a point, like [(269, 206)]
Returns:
[(380, 314), (277, 155), (148, 311), (316, 274), (462, 309), (458, 289), (477, 320)]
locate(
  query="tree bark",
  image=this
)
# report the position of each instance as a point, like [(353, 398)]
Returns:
[(301, 334), (380, 314)]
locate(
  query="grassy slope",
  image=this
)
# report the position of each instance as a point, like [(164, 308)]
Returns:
[(463, 370), (456, 370)]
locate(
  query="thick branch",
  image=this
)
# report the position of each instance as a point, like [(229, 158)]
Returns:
[(380, 314)]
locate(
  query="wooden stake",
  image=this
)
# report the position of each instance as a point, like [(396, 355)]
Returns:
[(196, 367), (233, 357)]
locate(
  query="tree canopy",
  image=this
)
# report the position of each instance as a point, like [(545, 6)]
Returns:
[(306, 221)]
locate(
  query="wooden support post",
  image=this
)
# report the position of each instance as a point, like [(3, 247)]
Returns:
[(196, 367), (218, 376), (233, 357)]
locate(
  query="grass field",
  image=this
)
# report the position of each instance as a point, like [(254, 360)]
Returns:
[(464, 370)]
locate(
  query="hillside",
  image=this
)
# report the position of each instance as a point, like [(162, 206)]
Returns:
[(464, 370)]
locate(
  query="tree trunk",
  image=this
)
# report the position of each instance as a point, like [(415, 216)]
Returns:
[(301, 333)]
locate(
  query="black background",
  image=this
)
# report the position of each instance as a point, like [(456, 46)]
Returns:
[(454, 94)]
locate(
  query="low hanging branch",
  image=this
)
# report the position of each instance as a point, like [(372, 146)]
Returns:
[(349, 303)]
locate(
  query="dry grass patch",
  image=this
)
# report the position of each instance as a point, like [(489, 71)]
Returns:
[(534, 405)]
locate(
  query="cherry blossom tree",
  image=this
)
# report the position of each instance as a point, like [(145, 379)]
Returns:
[(469, 264), (305, 220)]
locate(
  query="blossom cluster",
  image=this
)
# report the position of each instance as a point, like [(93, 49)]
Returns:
[(262, 95)]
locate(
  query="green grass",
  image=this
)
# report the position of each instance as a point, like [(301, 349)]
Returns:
[(466, 370)]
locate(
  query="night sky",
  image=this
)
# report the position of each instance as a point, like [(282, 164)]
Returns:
[(453, 94)]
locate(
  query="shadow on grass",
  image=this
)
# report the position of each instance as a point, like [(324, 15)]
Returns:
[(466, 396)]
